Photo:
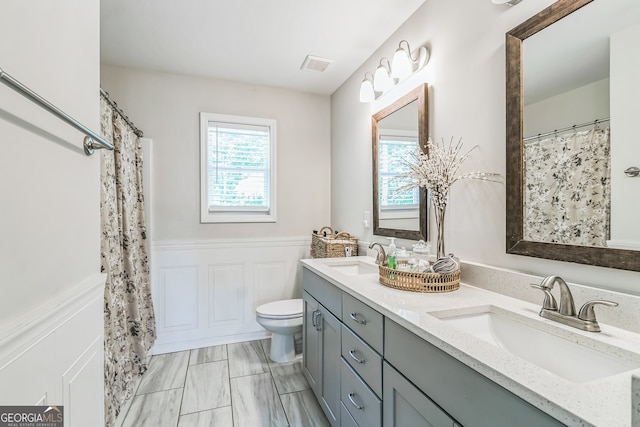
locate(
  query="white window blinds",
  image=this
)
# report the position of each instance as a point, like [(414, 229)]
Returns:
[(393, 150), (237, 168)]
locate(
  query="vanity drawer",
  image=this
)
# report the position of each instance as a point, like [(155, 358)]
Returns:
[(363, 359), (367, 323), (362, 403), (346, 420), (325, 292)]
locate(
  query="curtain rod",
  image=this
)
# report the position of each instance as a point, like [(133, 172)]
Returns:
[(541, 135), (91, 137), (113, 104)]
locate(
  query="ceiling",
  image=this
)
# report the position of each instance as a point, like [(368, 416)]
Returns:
[(251, 41)]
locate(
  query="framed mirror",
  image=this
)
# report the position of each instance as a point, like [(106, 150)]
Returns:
[(397, 130), (571, 98)]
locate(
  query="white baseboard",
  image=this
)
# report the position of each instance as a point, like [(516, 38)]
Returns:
[(207, 342)]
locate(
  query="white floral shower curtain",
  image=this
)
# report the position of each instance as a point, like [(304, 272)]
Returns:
[(567, 188), (130, 328)]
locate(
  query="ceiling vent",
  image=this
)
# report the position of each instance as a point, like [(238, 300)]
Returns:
[(315, 63)]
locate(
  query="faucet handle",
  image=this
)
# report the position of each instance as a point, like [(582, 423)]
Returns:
[(549, 302), (587, 312)]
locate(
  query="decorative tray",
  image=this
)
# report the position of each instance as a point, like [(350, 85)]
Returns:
[(419, 282)]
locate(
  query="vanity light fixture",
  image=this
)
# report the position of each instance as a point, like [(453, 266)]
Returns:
[(404, 63), (382, 80), (387, 75), (367, 94)]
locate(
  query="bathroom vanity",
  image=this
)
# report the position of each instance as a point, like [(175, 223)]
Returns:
[(376, 356)]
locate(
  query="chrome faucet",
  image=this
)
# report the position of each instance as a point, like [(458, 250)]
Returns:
[(382, 256), (567, 306), (566, 312)]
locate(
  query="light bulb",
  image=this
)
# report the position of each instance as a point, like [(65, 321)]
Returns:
[(402, 65), (382, 80), (367, 93)]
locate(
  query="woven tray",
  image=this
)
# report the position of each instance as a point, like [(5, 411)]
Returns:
[(333, 245), (419, 282)]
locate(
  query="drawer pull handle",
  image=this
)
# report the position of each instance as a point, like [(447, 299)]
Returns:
[(313, 318), (354, 316), (354, 403), (352, 353)]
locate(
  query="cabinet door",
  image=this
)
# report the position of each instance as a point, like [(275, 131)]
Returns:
[(468, 396), (311, 360), (406, 406), (330, 331)]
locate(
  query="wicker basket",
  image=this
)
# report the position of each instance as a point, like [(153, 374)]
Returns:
[(332, 245), (419, 282)]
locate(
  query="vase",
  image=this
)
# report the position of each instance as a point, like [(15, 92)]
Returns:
[(440, 211)]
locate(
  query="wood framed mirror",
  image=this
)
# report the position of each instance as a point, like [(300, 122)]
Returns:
[(560, 18), (397, 129)]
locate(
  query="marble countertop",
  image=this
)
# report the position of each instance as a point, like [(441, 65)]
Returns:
[(604, 402)]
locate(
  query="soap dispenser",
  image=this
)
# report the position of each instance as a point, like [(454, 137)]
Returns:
[(392, 245), (391, 258)]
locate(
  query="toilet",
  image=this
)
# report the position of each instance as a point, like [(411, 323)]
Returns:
[(283, 319)]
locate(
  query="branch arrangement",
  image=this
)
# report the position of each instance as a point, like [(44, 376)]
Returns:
[(437, 170)]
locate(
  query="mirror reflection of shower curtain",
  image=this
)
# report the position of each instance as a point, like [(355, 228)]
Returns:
[(567, 188)]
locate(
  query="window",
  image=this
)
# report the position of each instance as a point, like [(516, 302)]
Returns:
[(237, 171), (393, 148)]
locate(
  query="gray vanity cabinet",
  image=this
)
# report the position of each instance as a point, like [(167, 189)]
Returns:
[(346, 420), (369, 371), (468, 396), (321, 362), (361, 402), (361, 376), (330, 368), (322, 342), (406, 406), (311, 346)]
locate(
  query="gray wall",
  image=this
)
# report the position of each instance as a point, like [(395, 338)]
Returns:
[(50, 204), (466, 77), (167, 106)]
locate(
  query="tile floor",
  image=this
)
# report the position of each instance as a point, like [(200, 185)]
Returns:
[(233, 385)]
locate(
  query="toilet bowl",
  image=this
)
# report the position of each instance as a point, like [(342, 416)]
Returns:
[(283, 319)]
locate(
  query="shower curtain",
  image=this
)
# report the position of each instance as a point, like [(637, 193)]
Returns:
[(129, 319), (567, 189)]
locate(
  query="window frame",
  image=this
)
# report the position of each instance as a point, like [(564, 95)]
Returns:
[(230, 215)]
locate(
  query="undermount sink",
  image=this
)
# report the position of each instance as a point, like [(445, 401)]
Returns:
[(354, 267), (521, 336)]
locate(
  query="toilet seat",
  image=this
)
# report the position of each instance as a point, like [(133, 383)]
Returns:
[(285, 309)]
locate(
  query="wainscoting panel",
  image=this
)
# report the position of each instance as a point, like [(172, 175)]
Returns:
[(206, 292), (271, 282), (81, 382), (178, 293), (225, 295), (30, 377), (54, 355)]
